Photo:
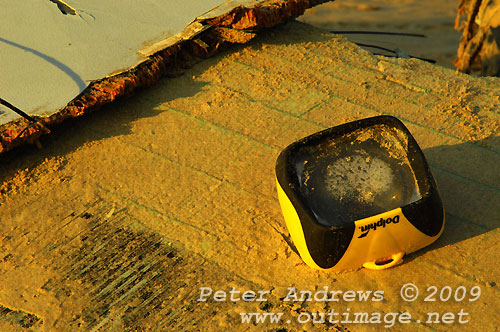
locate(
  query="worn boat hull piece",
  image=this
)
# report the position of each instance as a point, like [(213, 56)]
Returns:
[(63, 64)]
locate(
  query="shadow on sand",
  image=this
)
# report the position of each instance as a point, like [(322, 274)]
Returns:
[(469, 181)]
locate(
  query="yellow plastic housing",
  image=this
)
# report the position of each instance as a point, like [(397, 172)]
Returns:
[(376, 242)]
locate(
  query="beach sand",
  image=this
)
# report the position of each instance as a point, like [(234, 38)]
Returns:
[(435, 19)]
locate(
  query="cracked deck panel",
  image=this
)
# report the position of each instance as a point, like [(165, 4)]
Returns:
[(214, 31)]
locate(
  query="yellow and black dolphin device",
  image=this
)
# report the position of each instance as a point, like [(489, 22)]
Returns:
[(358, 194)]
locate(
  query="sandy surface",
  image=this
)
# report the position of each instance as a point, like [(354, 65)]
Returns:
[(121, 218), (433, 18)]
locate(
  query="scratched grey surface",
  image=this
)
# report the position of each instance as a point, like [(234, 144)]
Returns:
[(48, 58)]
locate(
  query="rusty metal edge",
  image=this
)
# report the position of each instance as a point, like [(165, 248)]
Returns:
[(235, 27)]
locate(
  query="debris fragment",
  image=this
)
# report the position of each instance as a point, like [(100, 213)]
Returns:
[(234, 27), (479, 50), (64, 7)]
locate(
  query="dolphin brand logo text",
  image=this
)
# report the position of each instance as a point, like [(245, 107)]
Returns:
[(381, 223)]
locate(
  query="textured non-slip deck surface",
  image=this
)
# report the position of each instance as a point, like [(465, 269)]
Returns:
[(120, 219)]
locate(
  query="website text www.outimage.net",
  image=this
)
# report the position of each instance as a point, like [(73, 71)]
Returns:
[(408, 292)]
